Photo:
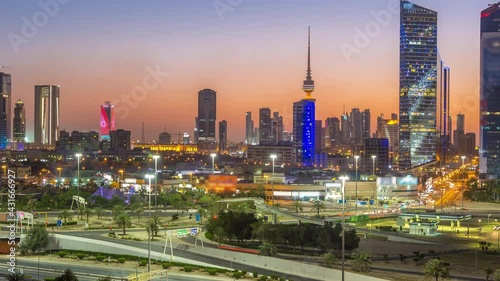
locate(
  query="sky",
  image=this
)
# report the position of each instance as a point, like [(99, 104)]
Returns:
[(150, 58)]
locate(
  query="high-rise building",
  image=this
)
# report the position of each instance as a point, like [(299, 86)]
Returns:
[(19, 122), (5, 109), (357, 126), (47, 108), (417, 85), (380, 149), (365, 124), (120, 140), (165, 138), (332, 132), (444, 117), (222, 136), (460, 131), (489, 138), (249, 128), (304, 117), (107, 120), (277, 127), (345, 129), (389, 129), (265, 127), (207, 114), (318, 138)]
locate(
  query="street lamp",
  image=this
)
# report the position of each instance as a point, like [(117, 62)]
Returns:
[(356, 199), (213, 162), (155, 157), (78, 155), (370, 225), (149, 177), (489, 215), (374, 178), (462, 189), (273, 156), (343, 179)]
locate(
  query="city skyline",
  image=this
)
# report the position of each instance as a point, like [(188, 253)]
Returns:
[(195, 58)]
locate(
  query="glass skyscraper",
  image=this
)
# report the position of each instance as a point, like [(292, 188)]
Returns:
[(207, 114), (47, 109), (5, 105), (489, 150), (417, 85)]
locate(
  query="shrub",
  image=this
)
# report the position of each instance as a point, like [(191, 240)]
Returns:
[(244, 272), (263, 278), (137, 239), (221, 270), (165, 265), (121, 260), (209, 236), (188, 268), (80, 256), (255, 275), (212, 271), (175, 217), (282, 279), (62, 254), (143, 262), (48, 279), (100, 257), (237, 274)]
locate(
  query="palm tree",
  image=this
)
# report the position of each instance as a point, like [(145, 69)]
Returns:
[(203, 214), (138, 211), (99, 212), (436, 268), (219, 234), (155, 223), (66, 216), (297, 206), (361, 263), (318, 206), (81, 211), (328, 259), (123, 220), (17, 276), (88, 212), (268, 249), (488, 271)]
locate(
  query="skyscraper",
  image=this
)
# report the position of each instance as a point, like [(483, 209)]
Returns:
[(107, 120), (207, 112), (46, 115), (417, 85), (304, 117), (222, 136), (489, 148), (5, 109), (444, 111), (365, 125), (265, 130), (19, 122), (249, 128), (357, 126), (332, 132), (277, 127)]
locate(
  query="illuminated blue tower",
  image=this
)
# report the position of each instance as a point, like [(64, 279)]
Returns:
[(304, 116)]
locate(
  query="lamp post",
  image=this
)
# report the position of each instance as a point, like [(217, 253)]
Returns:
[(374, 179), (149, 177), (497, 228), (273, 156), (78, 155), (344, 178), (356, 199), (370, 225), (213, 162), (462, 189), (155, 157), (489, 215), (59, 169)]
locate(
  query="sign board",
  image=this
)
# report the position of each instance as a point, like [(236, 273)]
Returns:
[(193, 231), (198, 217), (400, 222), (20, 215), (181, 233), (59, 222)]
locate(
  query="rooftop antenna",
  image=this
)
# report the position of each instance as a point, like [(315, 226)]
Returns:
[(142, 139)]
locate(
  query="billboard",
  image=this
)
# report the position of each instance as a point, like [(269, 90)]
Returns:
[(221, 184), (107, 119)]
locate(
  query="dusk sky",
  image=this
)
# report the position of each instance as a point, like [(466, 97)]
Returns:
[(252, 52)]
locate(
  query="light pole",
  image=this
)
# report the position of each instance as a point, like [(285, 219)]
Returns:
[(149, 177), (370, 225), (462, 189), (213, 162), (344, 178), (374, 179), (489, 215), (356, 199), (155, 157), (78, 155), (273, 156)]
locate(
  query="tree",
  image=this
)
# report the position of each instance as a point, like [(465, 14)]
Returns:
[(488, 271), (361, 263), (328, 259), (16, 276), (123, 220), (318, 206), (155, 222), (81, 211), (68, 275), (99, 212), (66, 216), (268, 249), (88, 212), (435, 269), (220, 234), (297, 206), (35, 241), (203, 214), (139, 210), (484, 245), (351, 239)]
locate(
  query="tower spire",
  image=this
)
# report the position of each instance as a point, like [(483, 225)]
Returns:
[(308, 86)]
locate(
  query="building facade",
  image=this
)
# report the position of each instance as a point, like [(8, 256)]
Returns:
[(107, 120), (222, 136), (265, 126), (5, 109), (47, 108), (207, 114), (19, 122)]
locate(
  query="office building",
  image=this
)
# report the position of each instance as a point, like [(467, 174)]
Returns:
[(444, 118), (417, 85), (222, 136), (207, 114), (265, 127), (261, 154), (19, 122), (365, 125), (78, 141), (277, 127), (249, 129), (47, 108), (107, 120), (332, 133), (489, 138), (345, 129), (304, 117), (5, 109), (380, 149), (357, 126), (165, 138), (459, 132), (120, 140)]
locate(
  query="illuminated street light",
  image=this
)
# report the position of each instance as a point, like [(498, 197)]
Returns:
[(155, 157), (78, 155), (273, 156), (149, 177), (213, 162), (344, 178), (356, 157)]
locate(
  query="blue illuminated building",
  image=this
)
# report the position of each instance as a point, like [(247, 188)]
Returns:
[(417, 85), (304, 114)]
